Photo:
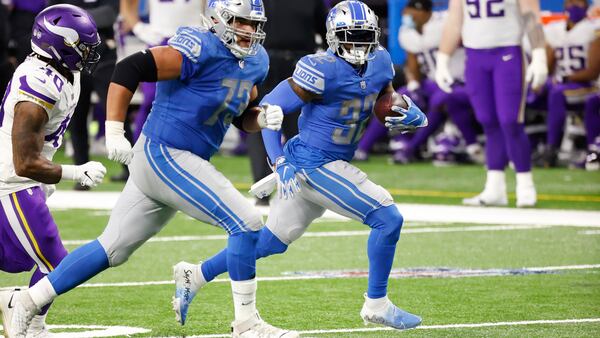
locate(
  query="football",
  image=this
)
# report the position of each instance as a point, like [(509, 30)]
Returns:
[(383, 105)]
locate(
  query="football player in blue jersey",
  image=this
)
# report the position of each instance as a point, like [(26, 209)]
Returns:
[(206, 79), (337, 91)]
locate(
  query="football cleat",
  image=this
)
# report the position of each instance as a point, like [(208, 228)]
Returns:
[(255, 327), (7, 308), (38, 328), (486, 199), (23, 311), (526, 196), (592, 161), (186, 277), (391, 316)]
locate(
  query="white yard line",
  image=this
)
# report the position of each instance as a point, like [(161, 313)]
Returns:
[(589, 232), (63, 199), (324, 275), (435, 327), (476, 228)]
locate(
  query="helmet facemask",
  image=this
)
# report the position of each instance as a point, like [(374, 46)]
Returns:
[(89, 56), (354, 44), (225, 28)]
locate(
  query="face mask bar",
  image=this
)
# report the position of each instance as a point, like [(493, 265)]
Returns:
[(356, 44), (256, 38), (89, 56)]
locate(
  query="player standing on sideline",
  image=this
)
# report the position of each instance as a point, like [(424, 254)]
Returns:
[(206, 80), (492, 32), (35, 112), (576, 59), (337, 91)]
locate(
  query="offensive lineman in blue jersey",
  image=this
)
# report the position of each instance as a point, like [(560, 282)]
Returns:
[(337, 91), (206, 80)]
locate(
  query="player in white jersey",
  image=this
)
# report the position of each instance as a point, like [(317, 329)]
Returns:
[(492, 32), (164, 19), (35, 112), (575, 43)]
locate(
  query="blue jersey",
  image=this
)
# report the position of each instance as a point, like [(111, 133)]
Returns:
[(194, 111), (331, 126)]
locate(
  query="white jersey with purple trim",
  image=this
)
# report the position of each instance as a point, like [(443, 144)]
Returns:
[(491, 23), (571, 46), (167, 16), (425, 46), (35, 81)]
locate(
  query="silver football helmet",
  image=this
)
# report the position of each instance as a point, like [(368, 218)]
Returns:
[(223, 14), (352, 31)]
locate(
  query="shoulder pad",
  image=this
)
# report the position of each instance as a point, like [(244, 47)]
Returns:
[(41, 87), (311, 71), (188, 41)]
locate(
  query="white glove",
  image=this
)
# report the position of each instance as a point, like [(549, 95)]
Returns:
[(48, 189), (89, 174), (270, 117), (119, 149), (537, 71), (148, 35), (443, 78)]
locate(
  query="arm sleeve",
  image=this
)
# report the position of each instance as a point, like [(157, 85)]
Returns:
[(284, 96), (188, 41), (41, 89)]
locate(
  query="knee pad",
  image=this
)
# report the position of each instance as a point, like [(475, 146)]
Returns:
[(388, 221), (268, 244)]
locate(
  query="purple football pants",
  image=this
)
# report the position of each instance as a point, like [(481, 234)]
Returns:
[(496, 86), (28, 235), (557, 110), (591, 117)]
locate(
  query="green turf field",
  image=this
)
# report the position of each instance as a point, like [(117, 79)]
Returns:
[(500, 290)]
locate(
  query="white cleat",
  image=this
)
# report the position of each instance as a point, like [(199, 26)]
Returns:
[(255, 327), (526, 197), (487, 200), (38, 328), (188, 280), (7, 307), (390, 315), (23, 311)]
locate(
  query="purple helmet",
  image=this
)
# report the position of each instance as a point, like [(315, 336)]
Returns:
[(68, 35)]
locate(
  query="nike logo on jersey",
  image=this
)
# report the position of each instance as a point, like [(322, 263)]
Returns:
[(507, 57), (10, 305), (42, 81)]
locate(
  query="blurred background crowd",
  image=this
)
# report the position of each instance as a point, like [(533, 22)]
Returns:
[(562, 119)]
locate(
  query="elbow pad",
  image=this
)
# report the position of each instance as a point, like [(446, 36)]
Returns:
[(136, 68)]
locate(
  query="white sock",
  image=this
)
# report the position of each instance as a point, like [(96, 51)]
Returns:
[(525, 180), (495, 182), (42, 293), (377, 304), (244, 298)]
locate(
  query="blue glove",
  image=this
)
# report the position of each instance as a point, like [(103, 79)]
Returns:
[(409, 119), (287, 183)]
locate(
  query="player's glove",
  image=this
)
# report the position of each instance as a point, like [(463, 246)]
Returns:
[(409, 119), (89, 174), (270, 117), (148, 35), (287, 183), (119, 149), (537, 71), (443, 78)]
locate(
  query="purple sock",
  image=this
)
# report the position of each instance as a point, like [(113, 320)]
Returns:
[(591, 118), (495, 150), (375, 131)]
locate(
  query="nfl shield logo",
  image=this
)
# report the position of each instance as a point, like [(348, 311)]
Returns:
[(241, 63), (363, 84)]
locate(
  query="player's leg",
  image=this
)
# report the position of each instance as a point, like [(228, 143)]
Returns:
[(459, 111), (480, 87), (592, 129), (193, 185), (343, 188), (510, 92), (375, 132)]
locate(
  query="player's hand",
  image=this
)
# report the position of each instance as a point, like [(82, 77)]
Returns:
[(48, 189), (270, 117), (287, 183), (443, 78), (537, 71), (148, 35), (119, 149), (89, 174), (409, 119)]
